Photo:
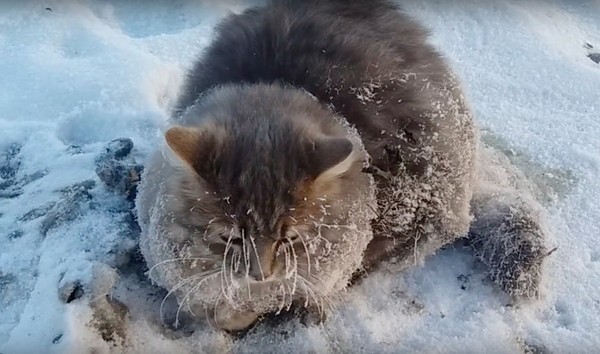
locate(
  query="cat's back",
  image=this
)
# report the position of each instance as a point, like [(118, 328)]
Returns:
[(328, 47), (366, 59)]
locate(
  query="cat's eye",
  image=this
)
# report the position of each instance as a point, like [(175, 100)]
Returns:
[(292, 238)]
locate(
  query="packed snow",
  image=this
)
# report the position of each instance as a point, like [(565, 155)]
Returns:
[(78, 74)]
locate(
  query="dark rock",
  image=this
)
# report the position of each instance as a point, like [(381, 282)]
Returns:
[(33, 177), (7, 286), (57, 339), (10, 193), (13, 188), (74, 149), (9, 166), (120, 177), (68, 209), (10, 290), (84, 186), (137, 265), (37, 212), (117, 149), (534, 347), (117, 170), (6, 184), (6, 279), (132, 224), (595, 57), (10, 162), (15, 234), (463, 281), (70, 291)]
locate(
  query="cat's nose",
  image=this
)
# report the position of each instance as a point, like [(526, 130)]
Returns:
[(260, 274), (262, 264)]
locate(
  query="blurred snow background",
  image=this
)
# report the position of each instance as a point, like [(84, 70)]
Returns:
[(77, 74)]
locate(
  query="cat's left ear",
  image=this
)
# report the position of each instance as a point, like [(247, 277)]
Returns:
[(194, 146)]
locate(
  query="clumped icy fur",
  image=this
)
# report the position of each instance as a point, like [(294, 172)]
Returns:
[(312, 139), (507, 234)]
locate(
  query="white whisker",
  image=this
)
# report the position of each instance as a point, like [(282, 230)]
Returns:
[(176, 260), (295, 270), (177, 287), (246, 263), (257, 257), (225, 287), (282, 304), (305, 248), (186, 297), (215, 309), (322, 295), (310, 292)]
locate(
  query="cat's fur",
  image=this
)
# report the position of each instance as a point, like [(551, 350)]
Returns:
[(281, 128)]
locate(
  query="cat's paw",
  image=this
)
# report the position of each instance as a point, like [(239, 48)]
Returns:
[(508, 237)]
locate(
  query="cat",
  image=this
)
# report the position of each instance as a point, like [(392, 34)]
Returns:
[(312, 141)]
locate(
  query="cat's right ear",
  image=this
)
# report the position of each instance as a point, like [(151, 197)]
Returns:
[(193, 146)]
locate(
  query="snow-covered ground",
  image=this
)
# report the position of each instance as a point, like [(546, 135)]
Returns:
[(77, 74)]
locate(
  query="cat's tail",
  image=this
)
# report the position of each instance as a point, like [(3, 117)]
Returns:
[(508, 233)]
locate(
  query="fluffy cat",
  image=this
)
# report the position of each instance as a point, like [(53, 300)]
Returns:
[(312, 139)]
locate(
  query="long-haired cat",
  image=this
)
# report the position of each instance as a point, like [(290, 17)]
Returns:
[(313, 139)]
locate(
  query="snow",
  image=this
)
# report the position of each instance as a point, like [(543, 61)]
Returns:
[(78, 74)]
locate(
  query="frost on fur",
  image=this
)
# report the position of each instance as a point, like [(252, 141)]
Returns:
[(508, 239), (507, 233)]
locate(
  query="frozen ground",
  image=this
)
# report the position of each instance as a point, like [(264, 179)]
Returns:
[(78, 74)]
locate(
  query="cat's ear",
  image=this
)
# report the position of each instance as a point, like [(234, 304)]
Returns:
[(193, 146), (330, 157), (185, 143)]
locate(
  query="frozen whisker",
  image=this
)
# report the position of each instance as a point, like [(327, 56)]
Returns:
[(225, 286), (214, 310), (310, 293), (339, 226), (179, 285), (231, 280), (322, 294), (189, 292), (305, 247), (287, 258), (257, 257), (295, 270), (182, 259), (283, 298), (246, 255)]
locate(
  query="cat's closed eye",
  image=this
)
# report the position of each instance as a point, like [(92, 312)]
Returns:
[(232, 240), (292, 238)]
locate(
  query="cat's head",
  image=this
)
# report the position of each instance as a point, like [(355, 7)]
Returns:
[(271, 190)]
